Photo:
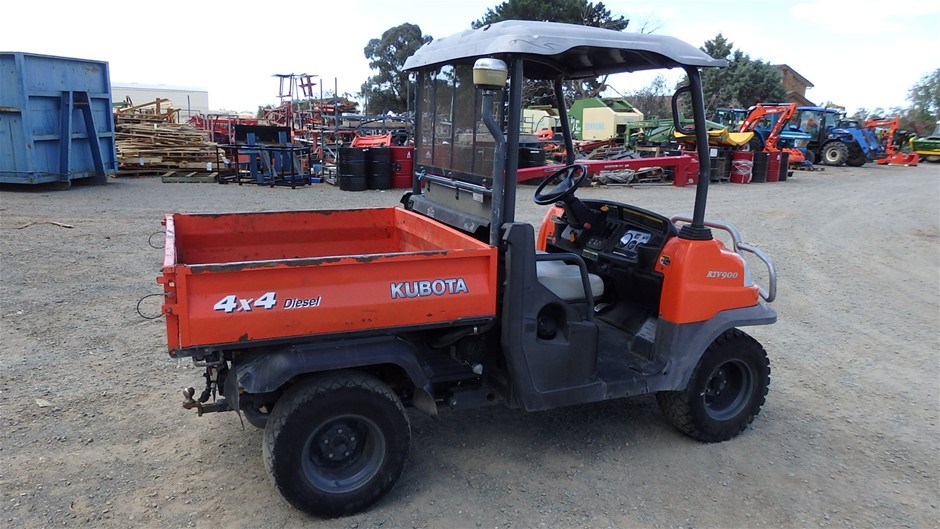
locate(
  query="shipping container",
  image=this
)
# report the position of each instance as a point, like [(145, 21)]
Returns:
[(56, 122)]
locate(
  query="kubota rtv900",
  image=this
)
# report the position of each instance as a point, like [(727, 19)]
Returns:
[(323, 327)]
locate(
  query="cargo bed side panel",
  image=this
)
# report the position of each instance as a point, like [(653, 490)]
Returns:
[(224, 303)]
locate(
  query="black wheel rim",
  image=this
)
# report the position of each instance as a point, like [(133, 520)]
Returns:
[(728, 390), (343, 454)]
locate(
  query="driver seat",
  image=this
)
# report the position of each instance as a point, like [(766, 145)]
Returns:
[(564, 280)]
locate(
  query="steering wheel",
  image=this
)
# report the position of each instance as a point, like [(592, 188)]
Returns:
[(572, 177)]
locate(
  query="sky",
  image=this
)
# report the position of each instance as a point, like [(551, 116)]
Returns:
[(857, 53)]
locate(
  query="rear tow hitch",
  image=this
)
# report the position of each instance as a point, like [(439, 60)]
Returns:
[(190, 403), (215, 374)]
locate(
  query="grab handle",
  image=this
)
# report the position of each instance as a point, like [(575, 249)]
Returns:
[(740, 247)]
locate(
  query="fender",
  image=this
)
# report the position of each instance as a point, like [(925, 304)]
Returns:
[(683, 344), (268, 371)]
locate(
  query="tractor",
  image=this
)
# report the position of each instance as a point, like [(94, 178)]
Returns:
[(829, 143), (928, 147)]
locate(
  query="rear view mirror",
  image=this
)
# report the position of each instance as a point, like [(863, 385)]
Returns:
[(676, 114)]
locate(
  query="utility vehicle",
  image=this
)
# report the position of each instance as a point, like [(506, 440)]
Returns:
[(324, 327)]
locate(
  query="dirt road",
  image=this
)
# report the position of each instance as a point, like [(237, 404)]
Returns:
[(92, 433)]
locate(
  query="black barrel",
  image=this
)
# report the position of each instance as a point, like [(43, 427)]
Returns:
[(379, 167), (784, 166), (351, 169), (759, 169), (531, 156)]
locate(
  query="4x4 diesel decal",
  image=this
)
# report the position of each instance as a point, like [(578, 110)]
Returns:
[(267, 301)]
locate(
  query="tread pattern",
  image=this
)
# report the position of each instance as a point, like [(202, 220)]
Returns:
[(677, 405), (302, 395)]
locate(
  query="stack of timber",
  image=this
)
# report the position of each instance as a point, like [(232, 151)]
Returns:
[(156, 111), (178, 152)]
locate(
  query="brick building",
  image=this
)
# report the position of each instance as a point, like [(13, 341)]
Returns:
[(795, 85)]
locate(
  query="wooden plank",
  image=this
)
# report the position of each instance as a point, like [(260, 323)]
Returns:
[(190, 179)]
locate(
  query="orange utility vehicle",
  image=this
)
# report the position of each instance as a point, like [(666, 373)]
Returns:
[(783, 113), (324, 327), (893, 155)]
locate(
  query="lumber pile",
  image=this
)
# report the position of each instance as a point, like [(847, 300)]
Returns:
[(159, 111), (165, 149)]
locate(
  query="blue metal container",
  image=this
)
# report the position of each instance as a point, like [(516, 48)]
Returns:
[(56, 121)]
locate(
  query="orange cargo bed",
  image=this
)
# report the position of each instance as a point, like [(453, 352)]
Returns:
[(243, 277)]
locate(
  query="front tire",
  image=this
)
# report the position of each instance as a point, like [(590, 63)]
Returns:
[(856, 160), (835, 153), (336, 445), (725, 392)]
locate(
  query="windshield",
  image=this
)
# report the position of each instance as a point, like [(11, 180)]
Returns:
[(732, 118), (453, 140), (808, 121)]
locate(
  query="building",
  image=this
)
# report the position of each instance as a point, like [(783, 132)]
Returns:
[(795, 85), (189, 101)]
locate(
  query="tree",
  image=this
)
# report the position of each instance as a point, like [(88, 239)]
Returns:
[(569, 11), (389, 90), (743, 83), (924, 111), (653, 99)]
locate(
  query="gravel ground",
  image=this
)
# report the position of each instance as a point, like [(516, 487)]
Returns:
[(92, 432)]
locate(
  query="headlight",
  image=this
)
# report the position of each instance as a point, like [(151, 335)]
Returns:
[(801, 144)]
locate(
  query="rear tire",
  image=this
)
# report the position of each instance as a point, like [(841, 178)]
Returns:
[(725, 392), (932, 158), (337, 444), (835, 153)]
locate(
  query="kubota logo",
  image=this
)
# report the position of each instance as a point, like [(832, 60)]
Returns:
[(436, 287), (715, 274)]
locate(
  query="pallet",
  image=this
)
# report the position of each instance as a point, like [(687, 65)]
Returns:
[(161, 147), (192, 177)]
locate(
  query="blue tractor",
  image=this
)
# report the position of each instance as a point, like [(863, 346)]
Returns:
[(831, 143)]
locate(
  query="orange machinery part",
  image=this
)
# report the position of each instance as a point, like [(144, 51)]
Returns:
[(899, 158), (547, 228), (893, 155), (374, 140), (758, 112), (259, 276), (701, 279)]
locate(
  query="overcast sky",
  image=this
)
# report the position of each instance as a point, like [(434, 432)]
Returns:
[(857, 53)]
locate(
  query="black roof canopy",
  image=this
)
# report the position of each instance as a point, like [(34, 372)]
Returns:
[(554, 49)]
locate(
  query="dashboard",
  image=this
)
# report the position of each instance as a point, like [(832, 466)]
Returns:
[(630, 237)]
